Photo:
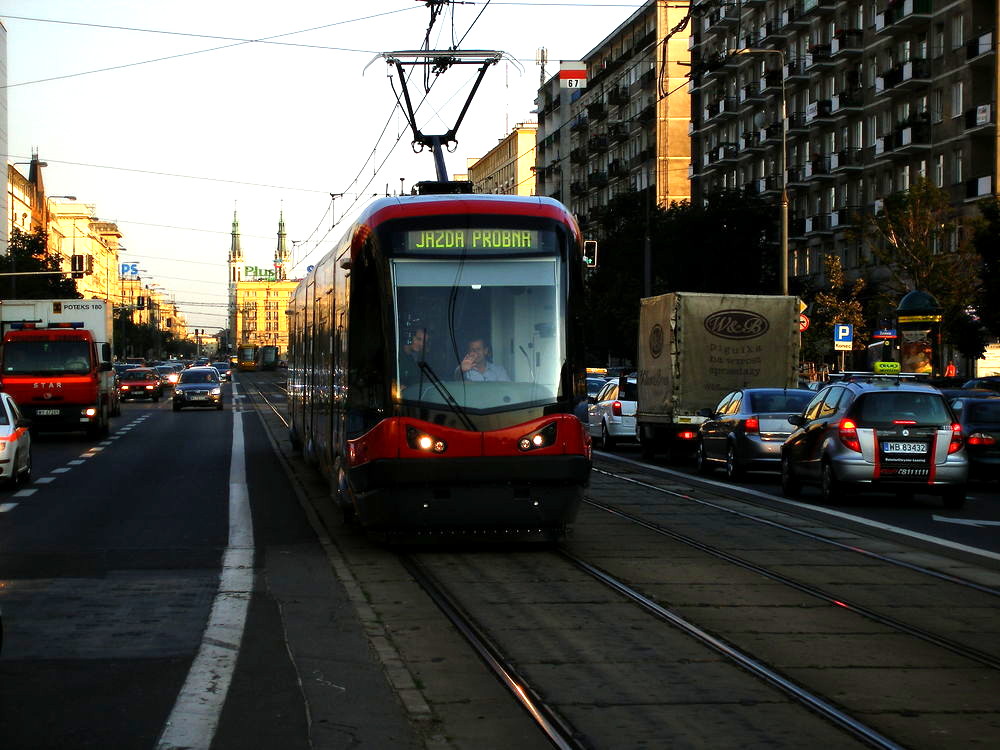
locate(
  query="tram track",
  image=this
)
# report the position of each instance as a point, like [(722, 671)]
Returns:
[(471, 604)]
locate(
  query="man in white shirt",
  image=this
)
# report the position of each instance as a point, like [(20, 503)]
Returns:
[(476, 365)]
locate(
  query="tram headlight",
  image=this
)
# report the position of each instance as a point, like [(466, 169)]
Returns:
[(542, 438), (421, 441)]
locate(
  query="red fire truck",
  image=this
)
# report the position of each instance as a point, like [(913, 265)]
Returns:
[(56, 363)]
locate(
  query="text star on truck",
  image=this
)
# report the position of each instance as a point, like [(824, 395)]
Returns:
[(56, 363), (695, 348)]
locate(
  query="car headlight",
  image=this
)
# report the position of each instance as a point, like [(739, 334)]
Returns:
[(216, 391)]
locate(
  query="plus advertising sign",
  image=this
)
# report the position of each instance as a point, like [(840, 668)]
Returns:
[(843, 337), (572, 75)]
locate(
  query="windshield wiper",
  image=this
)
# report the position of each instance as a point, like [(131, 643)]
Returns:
[(446, 395)]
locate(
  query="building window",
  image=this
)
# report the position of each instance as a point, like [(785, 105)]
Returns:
[(939, 170), (957, 91), (956, 167), (937, 105), (957, 31)]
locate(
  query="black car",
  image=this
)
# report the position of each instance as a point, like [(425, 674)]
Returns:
[(990, 382), (198, 386), (140, 382), (980, 420)]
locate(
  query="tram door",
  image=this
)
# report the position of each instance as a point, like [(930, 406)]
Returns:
[(309, 367)]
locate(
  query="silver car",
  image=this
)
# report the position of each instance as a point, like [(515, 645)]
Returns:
[(746, 429), (612, 415), (877, 433)]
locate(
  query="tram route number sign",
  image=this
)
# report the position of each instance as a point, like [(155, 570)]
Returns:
[(572, 75)]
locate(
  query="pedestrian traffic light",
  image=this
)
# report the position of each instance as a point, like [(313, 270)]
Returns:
[(77, 266), (590, 253)]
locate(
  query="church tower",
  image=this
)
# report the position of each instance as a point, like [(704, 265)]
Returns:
[(281, 253), (236, 269)]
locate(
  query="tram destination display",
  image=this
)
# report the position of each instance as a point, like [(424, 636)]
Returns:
[(479, 239)]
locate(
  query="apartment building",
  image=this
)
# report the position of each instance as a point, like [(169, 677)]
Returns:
[(509, 167), (876, 94), (627, 130)]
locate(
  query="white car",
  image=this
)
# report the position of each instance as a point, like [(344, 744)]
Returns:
[(15, 442), (612, 415)]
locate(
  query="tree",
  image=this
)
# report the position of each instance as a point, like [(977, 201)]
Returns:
[(924, 243), (840, 302), (29, 253)]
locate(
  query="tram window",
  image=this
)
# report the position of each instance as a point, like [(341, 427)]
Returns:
[(513, 304)]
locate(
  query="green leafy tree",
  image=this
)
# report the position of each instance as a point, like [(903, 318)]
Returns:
[(28, 253), (839, 302), (924, 243)]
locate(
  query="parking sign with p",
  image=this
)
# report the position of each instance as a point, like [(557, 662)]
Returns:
[(843, 337)]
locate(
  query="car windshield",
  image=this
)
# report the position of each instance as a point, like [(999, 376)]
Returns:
[(46, 357), (983, 411), (134, 374), (892, 406), (487, 333), (191, 376), (779, 401), (221, 366)]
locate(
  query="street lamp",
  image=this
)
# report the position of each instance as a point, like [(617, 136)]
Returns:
[(783, 265)]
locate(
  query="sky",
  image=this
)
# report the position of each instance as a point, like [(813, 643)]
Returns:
[(167, 119)]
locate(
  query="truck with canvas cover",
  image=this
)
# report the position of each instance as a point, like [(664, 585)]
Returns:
[(694, 348), (56, 363)]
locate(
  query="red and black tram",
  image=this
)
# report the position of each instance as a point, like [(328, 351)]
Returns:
[(386, 331)]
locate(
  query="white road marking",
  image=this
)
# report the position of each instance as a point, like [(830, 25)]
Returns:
[(965, 521), (195, 716), (6, 507), (44, 480), (62, 470), (77, 461), (27, 492)]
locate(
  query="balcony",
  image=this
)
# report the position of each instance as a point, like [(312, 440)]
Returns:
[(750, 140), (847, 43), (795, 70), (617, 168), (796, 229), (819, 111), (642, 157), (818, 224), (797, 124), (849, 100), (770, 31), (617, 96), (579, 124), (597, 180), (846, 160), (817, 7), (979, 118), (577, 189), (720, 19), (797, 177), (693, 41), (912, 137), (769, 185), (818, 167), (905, 77), (727, 153), (597, 143), (648, 114), (902, 14), (749, 93), (578, 156), (820, 57), (771, 134), (596, 110), (647, 79), (980, 187), (771, 82), (844, 218), (979, 51), (792, 19), (618, 132)]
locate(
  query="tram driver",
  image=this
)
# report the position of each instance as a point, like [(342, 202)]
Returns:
[(410, 357), (477, 365)]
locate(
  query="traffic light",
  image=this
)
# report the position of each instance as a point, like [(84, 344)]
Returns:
[(590, 253), (77, 266)]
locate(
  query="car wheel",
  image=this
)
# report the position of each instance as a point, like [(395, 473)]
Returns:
[(26, 471), (607, 442), (218, 407), (15, 476), (733, 469), (177, 407), (156, 398), (829, 486), (954, 499), (701, 462), (790, 486)]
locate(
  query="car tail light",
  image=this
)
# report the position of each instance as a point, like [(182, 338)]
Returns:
[(904, 421), (616, 408), (849, 435), (752, 425), (956, 438), (687, 435), (981, 438)]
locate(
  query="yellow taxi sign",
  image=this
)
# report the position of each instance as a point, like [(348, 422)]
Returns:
[(886, 368)]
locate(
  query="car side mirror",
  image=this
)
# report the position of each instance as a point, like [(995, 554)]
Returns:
[(797, 419), (23, 422), (591, 399)]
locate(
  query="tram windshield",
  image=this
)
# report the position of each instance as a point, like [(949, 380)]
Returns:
[(486, 332)]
